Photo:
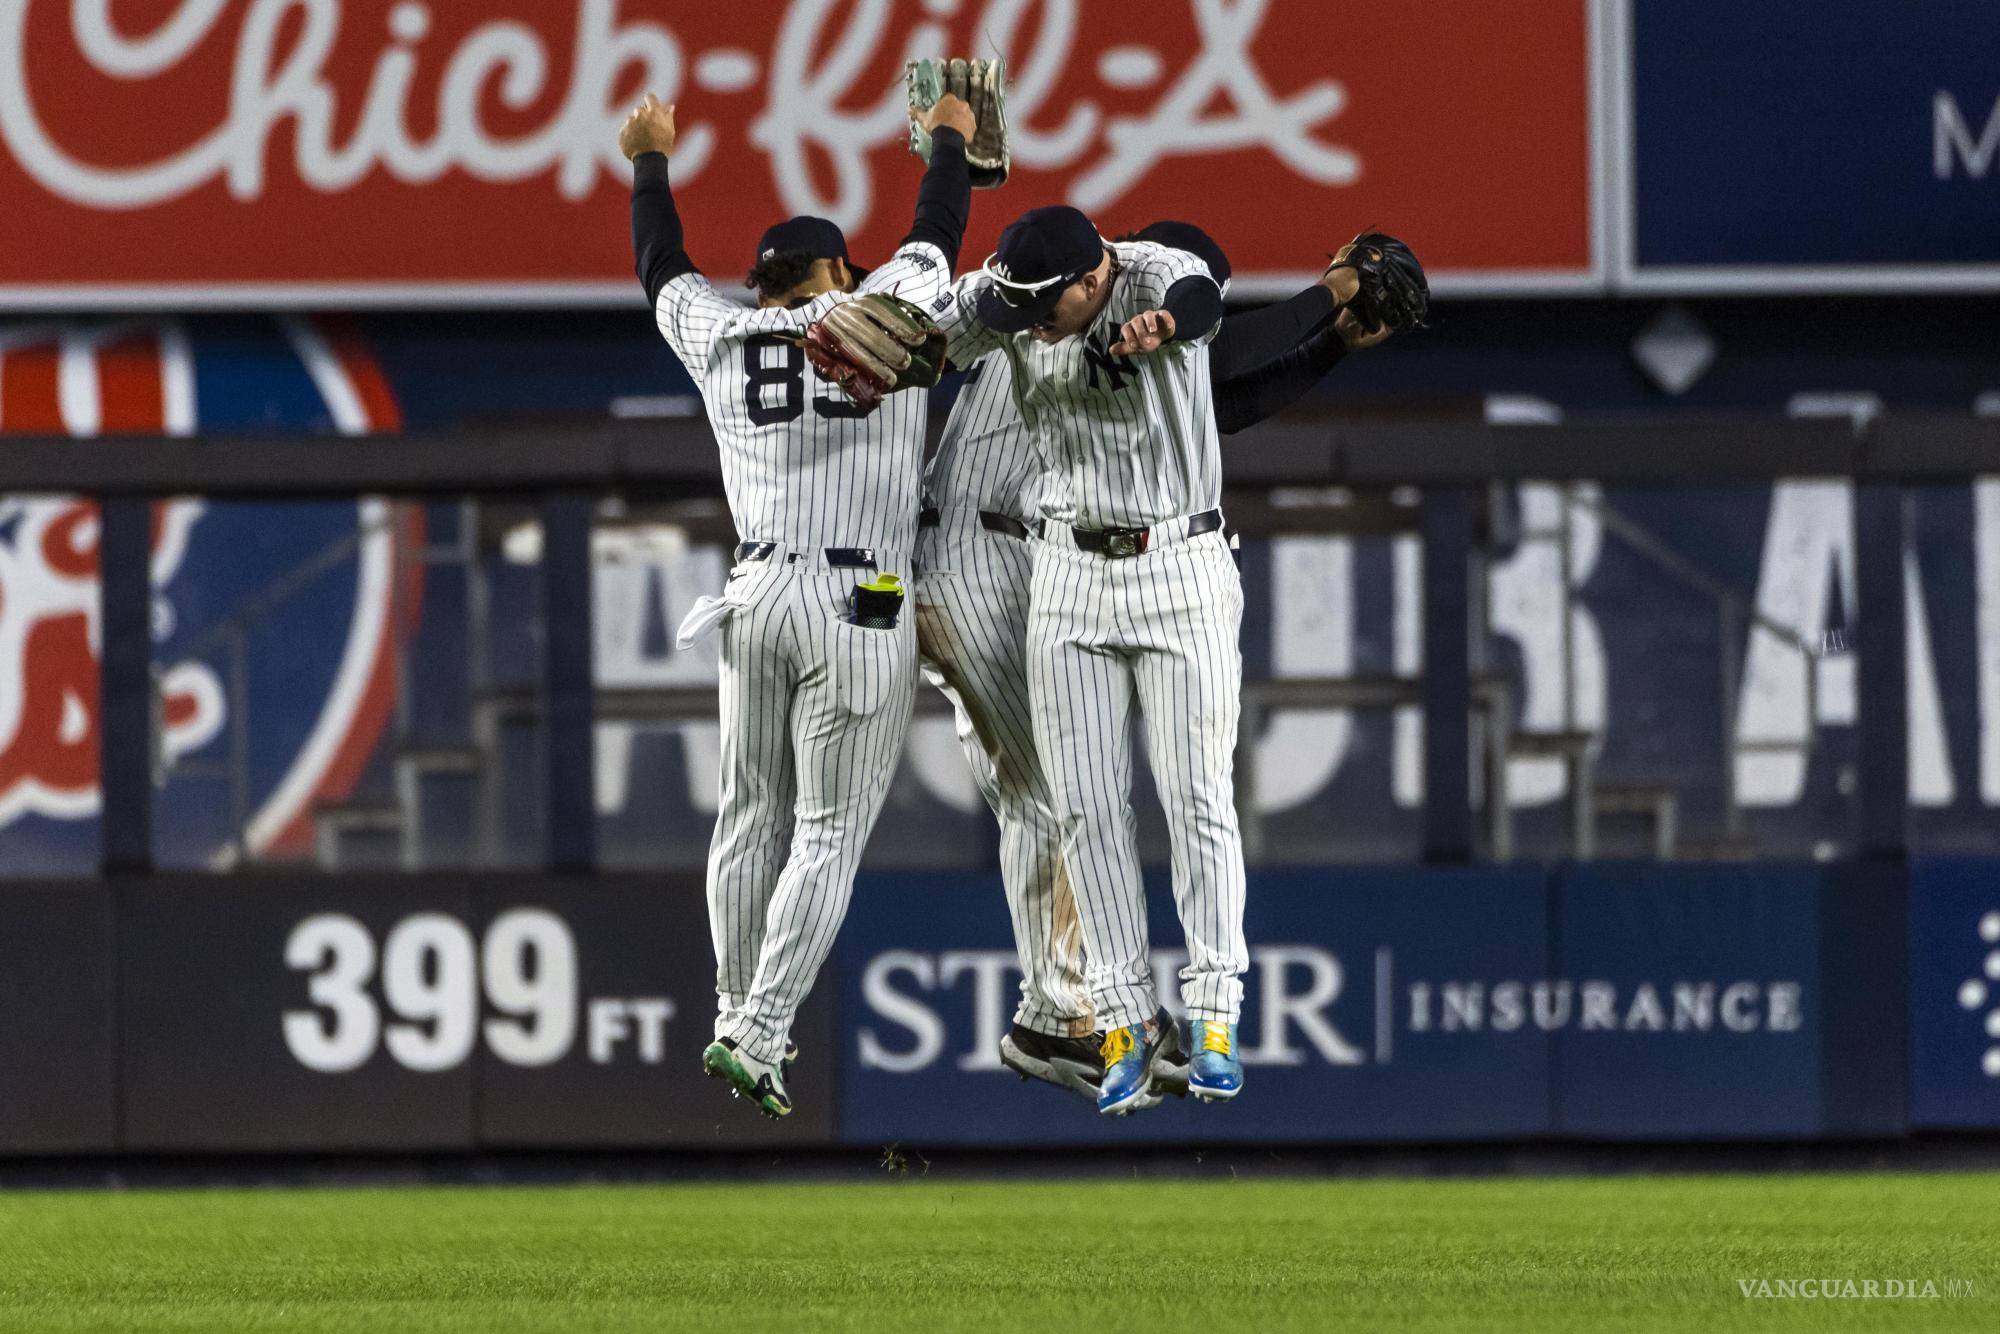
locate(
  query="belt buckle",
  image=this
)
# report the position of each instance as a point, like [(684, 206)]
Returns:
[(1121, 543)]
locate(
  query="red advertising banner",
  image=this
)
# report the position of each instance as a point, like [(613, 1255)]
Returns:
[(241, 152)]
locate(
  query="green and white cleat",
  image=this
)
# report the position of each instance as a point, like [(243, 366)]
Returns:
[(748, 1077)]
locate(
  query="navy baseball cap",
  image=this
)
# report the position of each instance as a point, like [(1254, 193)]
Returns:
[(815, 236), (1186, 236), (1041, 253)]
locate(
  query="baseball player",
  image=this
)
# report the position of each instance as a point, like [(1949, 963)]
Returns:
[(818, 665), (1134, 598), (981, 490)]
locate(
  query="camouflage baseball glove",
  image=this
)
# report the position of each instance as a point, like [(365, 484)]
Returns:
[(874, 345), (979, 84), (1393, 289)]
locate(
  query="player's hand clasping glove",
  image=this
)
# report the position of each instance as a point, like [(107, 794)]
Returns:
[(1393, 289), (978, 83), (874, 345)]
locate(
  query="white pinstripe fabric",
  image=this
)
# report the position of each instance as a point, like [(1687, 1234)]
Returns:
[(1132, 442), (972, 633), (1125, 443), (802, 784), (986, 459), (799, 464), (1160, 631), (814, 709)]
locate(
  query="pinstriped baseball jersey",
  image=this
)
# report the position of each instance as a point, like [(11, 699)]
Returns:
[(801, 464), (986, 459), (972, 631), (1128, 441), (814, 707)]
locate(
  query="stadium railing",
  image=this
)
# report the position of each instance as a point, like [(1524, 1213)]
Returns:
[(565, 471)]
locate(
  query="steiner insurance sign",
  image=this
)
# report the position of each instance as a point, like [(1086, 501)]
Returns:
[(1391, 1004), (328, 151)]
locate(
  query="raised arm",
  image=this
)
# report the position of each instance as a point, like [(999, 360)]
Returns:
[(658, 245), (691, 314), (944, 200), (920, 270), (1263, 361)]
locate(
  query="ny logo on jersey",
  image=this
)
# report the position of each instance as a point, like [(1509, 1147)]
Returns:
[(1098, 356)]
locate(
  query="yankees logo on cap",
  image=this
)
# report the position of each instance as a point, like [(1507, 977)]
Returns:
[(1041, 253)]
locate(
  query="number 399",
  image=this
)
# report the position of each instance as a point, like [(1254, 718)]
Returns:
[(428, 983)]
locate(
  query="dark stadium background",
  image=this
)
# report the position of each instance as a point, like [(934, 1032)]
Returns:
[(1700, 454)]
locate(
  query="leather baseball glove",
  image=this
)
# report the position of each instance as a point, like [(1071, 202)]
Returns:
[(874, 345), (979, 83), (1393, 289)]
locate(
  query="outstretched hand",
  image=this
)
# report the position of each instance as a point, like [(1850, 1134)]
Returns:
[(1145, 332), (1345, 284), (649, 129)]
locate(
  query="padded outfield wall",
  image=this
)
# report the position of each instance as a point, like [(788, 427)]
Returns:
[(1610, 1002)]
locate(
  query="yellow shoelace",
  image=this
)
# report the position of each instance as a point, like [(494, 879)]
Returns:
[(1215, 1038), (1117, 1044)]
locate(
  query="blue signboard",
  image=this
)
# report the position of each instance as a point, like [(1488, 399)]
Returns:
[(1955, 994), (1605, 1001), (1374, 1010), (1697, 999), (1811, 143)]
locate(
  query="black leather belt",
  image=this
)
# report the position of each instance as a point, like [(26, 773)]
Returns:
[(931, 517), (839, 558), (1003, 523), (1118, 543)]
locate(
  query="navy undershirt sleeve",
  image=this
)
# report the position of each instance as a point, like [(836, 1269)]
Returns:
[(1255, 338), (658, 247), (1195, 302), (944, 200), (1265, 390)]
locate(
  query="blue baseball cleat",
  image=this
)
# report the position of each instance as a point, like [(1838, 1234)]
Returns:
[(1216, 1072), (1128, 1054)]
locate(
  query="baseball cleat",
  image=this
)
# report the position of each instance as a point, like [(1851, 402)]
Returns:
[(1216, 1072), (1068, 1063), (1128, 1054), (748, 1077), (1170, 1070)]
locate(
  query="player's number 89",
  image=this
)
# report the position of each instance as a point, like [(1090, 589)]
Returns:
[(771, 361), (528, 960)]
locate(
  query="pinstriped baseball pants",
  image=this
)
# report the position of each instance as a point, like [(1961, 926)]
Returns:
[(814, 711), (972, 635), (1159, 630)]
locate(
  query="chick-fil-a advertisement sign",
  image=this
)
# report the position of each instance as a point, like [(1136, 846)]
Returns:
[(261, 151)]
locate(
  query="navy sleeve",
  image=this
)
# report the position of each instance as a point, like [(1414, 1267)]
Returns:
[(944, 200), (1195, 302), (1258, 337), (657, 243), (1265, 390)]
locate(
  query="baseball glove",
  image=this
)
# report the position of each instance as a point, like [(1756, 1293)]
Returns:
[(979, 84), (874, 345), (1393, 290)]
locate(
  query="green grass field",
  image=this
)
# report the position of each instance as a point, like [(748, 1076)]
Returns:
[(1546, 1255)]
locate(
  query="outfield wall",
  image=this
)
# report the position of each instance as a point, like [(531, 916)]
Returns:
[(1684, 1002)]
